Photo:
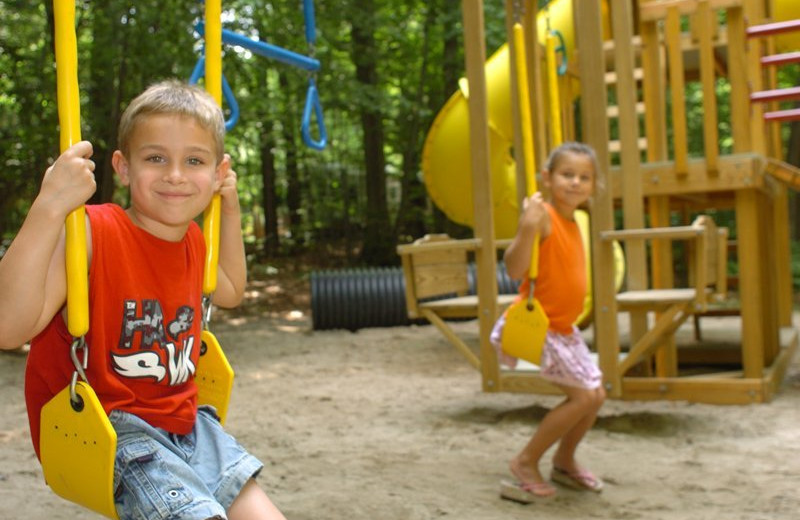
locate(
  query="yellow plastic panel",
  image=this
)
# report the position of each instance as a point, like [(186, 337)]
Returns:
[(214, 376), (78, 450)]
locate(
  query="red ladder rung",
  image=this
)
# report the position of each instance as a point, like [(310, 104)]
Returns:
[(769, 29), (783, 115), (780, 94), (781, 59)]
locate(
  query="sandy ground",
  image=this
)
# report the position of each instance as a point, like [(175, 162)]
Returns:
[(391, 424)]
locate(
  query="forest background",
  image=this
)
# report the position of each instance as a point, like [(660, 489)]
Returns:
[(387, 68)]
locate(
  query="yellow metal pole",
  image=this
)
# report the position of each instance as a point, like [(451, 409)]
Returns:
[(213, 83), (69, 117)]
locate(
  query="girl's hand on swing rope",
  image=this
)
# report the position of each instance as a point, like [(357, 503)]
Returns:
[(70, 181), (227, 189), (534, 215)]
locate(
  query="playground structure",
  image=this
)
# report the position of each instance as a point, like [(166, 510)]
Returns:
[(650, 177)]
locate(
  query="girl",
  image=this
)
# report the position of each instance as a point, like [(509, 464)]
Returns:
[(560, 288)]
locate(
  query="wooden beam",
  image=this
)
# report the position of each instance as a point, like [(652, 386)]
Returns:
[(677, 84), (667, 323), (705, 24), (452, 337), (740, 86), (519, 381), (736, 172), (588, 16), (485, 257), (710, 390), (652, 11)]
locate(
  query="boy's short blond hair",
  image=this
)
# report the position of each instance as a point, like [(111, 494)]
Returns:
[(173, 97)]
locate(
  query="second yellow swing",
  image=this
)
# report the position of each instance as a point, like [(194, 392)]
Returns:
[(526, 323)]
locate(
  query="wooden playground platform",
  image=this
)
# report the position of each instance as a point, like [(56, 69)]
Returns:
[(656, 52)]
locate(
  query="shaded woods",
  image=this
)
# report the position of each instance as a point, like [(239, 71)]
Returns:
[(387, 68)]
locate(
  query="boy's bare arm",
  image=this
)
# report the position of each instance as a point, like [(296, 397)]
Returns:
[(232, 271), (32, 272)]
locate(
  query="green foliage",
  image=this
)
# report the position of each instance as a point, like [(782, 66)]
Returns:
[(294, 198), (795, 265)]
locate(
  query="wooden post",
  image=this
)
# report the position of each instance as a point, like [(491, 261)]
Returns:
[(475, 56), (705, 25), (737, 72), (632, 201), (654, 85), (588, 17), (678, 90)]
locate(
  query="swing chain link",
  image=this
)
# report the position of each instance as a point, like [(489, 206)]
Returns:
[(531, 289), (80, 366), (206, 306)]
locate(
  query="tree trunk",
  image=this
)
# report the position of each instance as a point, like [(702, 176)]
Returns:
[(410, 221), (293, 181), (269, 197), (379, 243), (103, 109)]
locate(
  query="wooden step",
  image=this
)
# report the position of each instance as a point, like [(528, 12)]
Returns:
[(779, 94), (781, 59)]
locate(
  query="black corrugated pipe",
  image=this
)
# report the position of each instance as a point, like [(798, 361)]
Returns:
[(358, 298)]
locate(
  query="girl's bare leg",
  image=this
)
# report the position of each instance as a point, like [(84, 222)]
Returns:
[(573, 417), (253, 504), (564, 457)]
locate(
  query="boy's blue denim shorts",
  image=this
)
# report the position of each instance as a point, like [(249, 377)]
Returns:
[(160, 476)]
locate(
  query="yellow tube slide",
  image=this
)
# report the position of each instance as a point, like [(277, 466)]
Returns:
[(785, 10), (446, 163)]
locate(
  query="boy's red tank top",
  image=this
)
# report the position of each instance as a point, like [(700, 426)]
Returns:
[(145, 314), (561, 281)]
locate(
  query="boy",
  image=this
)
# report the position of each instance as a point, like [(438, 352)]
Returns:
[(145, 289)]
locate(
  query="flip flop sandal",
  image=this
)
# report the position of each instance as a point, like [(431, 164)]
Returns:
[(582, 480), (526, 492)]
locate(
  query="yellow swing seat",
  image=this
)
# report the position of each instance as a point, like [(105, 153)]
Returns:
[(78, 447), (78, 444), (214, 376)]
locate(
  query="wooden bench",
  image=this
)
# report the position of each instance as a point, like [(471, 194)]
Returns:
[(707, 257), (436, 270)]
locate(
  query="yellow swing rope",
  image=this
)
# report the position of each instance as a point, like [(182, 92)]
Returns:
[(526, 323), (69, 117), (527, 132), (214, 376), (77, 442), (213, 84)]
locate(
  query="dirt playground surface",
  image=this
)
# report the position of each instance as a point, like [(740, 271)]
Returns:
[(391, 424)]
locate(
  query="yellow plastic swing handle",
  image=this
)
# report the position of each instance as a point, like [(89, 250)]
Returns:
[(69, 117), (527, 131)]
